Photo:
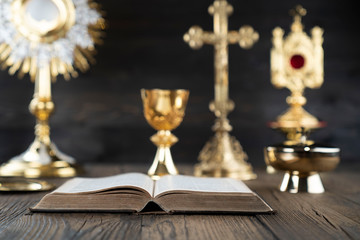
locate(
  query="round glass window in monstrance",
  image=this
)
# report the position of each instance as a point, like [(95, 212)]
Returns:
[(45, 38)]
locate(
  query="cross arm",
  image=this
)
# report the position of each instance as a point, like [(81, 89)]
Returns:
[(196, 37), (246, 37)]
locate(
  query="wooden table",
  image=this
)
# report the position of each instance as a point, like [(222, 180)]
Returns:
[(332, 215)]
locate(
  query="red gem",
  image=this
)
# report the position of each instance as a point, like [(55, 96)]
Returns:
[(297, 61)]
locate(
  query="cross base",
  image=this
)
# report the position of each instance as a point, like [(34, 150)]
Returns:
[(223, 156)]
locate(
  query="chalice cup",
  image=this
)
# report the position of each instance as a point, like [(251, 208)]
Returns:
[(164, 111)]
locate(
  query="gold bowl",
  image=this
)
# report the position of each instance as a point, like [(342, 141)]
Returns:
[(164, 109), (302, 163)]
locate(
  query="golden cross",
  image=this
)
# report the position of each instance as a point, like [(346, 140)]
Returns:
[(222, 155), (221, 38)]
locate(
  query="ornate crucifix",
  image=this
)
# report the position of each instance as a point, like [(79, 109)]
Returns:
[(222, 156)]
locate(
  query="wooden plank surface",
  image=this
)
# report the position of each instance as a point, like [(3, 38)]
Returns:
[(332, 215)]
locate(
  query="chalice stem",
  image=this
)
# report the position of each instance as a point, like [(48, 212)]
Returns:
[(163, 163)]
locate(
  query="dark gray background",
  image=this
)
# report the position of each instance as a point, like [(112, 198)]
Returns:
[(99, 114)]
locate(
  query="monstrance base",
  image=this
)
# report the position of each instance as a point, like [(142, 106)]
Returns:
[(24, 185), (294, 183), (40, 160)]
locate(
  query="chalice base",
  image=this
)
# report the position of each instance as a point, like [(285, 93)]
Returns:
[(294, 183), (223, 156), (163, 164), (40, 160)]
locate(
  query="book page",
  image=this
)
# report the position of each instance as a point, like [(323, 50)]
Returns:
[(80, 185), (197, 184)]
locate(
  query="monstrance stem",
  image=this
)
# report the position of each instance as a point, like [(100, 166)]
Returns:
[(41, 105)]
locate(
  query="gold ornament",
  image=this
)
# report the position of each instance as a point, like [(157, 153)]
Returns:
[(297, 62), (223, 155), (45, 38), (164, 110)]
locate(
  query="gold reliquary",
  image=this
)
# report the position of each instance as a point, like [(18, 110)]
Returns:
[(297, 62)]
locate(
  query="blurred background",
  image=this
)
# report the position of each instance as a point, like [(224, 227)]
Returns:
[(99, 115)]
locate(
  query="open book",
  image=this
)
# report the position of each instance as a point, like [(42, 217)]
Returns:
[(132, 192)]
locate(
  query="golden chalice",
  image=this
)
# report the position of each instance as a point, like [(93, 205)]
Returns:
[(164, 111)]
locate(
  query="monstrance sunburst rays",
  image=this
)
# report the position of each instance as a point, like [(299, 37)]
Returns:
[(72, 48), (45, 38)]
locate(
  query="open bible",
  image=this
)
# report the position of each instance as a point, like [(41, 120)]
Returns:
[(133, 192)]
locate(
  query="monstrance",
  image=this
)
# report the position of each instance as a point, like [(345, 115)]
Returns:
[(297, 62), (223, 155), (45, 38)]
